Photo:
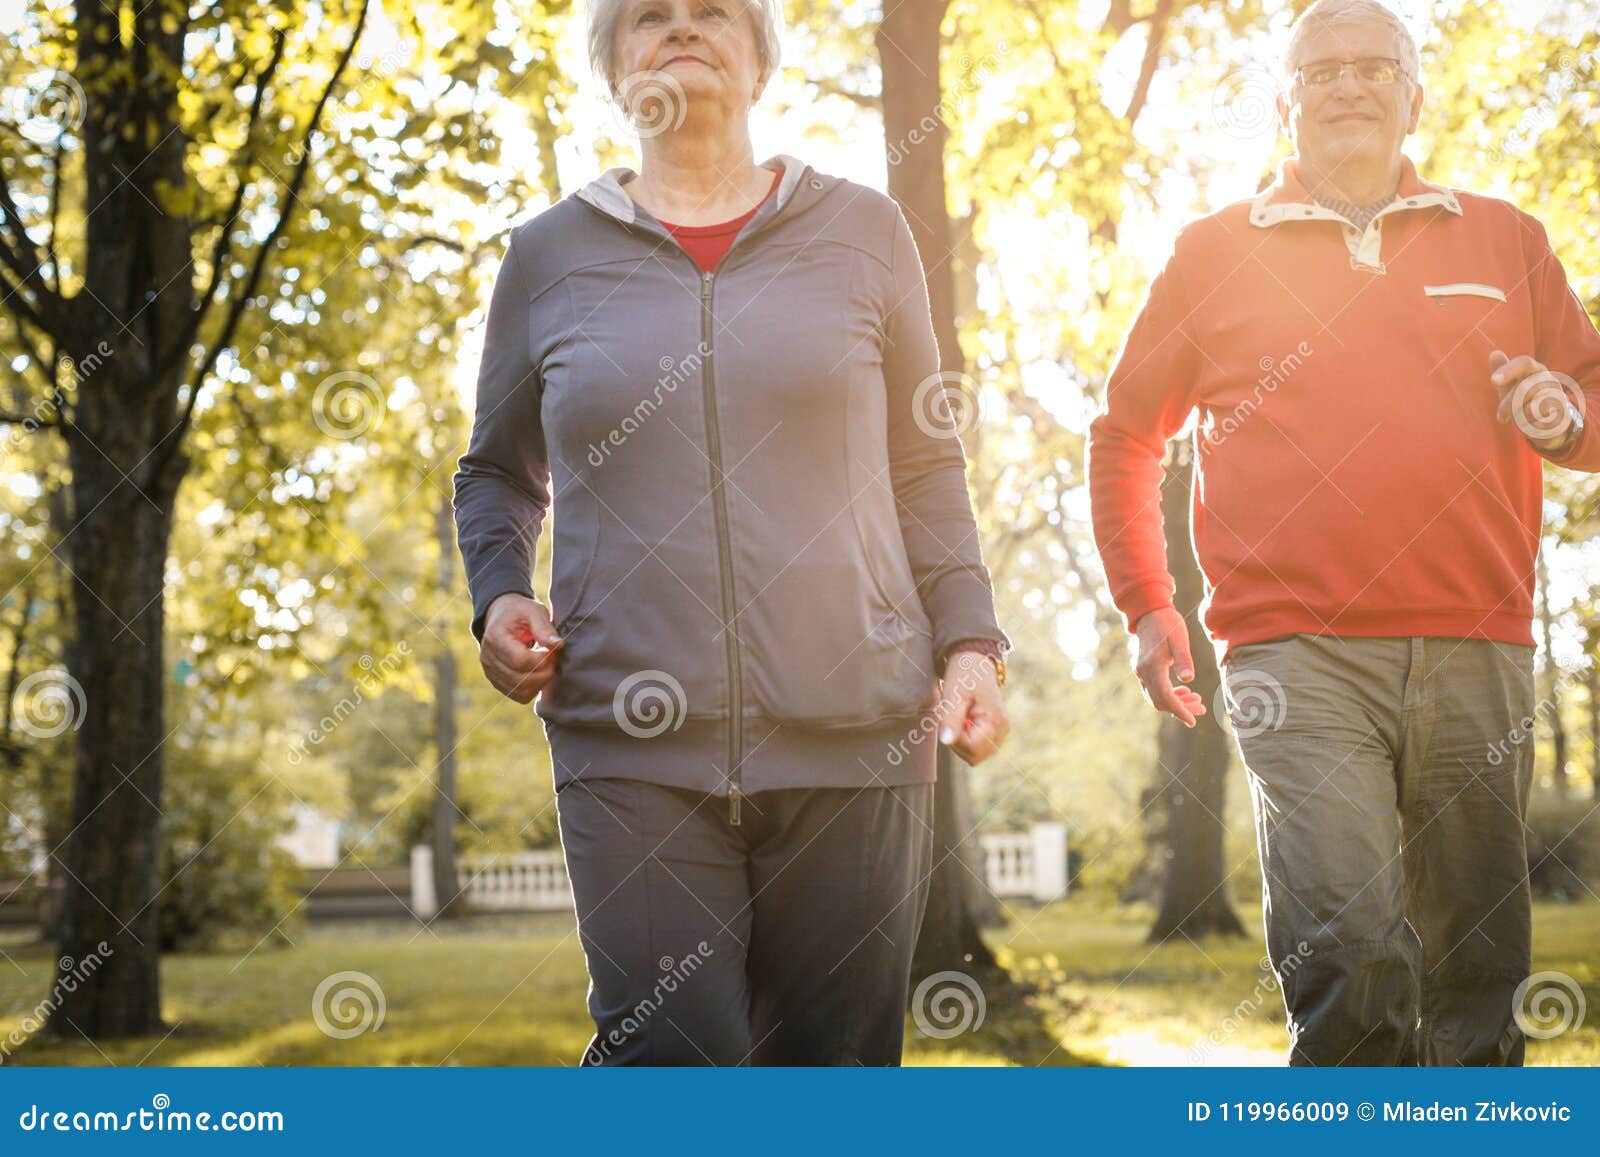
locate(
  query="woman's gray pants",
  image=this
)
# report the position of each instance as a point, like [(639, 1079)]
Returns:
[(785, 940)]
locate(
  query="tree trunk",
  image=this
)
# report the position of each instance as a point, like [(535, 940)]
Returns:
[(908, 43), (1193, 763), (118, 553), (136, 300), (445, 882)]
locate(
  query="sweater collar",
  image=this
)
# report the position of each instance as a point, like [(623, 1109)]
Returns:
[(1287, 199)]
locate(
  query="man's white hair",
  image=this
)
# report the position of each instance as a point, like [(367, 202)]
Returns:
[(1332, 13), (604, 14)]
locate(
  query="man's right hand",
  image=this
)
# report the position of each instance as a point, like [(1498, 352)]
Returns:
[(1163, 652), (519, 647)]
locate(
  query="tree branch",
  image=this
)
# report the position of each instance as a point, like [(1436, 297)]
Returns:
[(220, 251), (1157, 38), (830, 87), (174, 438), (46, 313)]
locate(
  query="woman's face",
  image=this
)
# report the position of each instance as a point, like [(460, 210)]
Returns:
[(705, 48)]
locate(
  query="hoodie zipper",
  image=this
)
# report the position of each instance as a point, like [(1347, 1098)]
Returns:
[(719, 506)]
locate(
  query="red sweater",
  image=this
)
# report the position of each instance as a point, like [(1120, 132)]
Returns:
[(1352, 479)]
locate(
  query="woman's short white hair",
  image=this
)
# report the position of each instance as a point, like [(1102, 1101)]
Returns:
[(604, 14), (1331, 13)]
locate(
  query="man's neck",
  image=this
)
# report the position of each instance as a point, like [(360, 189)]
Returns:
[(1356, 184)]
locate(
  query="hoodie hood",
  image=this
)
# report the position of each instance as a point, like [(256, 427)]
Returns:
[(606, 194)]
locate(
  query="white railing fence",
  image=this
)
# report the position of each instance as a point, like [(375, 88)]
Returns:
[(1031, 865)]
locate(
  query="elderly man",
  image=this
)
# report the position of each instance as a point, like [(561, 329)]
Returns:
[(1382, 366)]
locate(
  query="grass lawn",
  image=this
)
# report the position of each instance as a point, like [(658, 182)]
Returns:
[(510, 990)]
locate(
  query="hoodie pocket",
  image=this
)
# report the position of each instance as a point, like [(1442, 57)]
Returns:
[(571, 565), (825, 644), (642, 643)]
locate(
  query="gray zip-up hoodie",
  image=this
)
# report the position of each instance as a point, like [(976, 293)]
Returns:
[(763, 535)]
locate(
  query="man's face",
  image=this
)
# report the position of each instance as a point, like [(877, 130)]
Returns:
[(1353, 120)]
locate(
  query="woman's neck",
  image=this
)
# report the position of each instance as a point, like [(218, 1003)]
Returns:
[(698, 178)]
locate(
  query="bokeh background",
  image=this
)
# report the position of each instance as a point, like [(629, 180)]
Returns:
[(245, 250)]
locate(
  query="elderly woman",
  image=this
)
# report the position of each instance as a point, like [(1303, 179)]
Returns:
[(767, 593)]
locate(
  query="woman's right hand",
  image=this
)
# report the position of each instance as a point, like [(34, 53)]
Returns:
[(519, 647)]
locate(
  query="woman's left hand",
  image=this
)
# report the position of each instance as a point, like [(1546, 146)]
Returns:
[(972, 721)]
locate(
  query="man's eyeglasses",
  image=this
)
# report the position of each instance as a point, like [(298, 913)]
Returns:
[(1374, 69)]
